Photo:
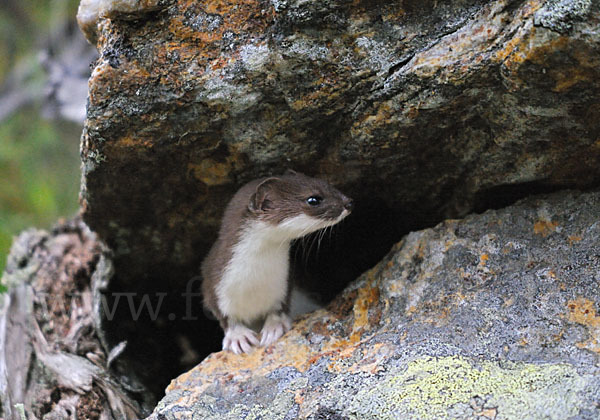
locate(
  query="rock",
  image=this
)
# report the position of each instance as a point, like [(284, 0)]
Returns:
[(91, 11), (490, 317), (422, 110), (419, 110)]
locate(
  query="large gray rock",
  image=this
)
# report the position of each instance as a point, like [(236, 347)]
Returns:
[(490, 317), (429, 109)]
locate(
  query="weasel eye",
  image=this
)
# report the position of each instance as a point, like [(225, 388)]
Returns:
[(314, 200)]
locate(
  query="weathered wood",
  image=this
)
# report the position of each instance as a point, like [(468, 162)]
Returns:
[(52, 362)]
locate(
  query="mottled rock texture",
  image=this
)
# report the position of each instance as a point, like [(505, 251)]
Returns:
[(421, 109), (490, 317)]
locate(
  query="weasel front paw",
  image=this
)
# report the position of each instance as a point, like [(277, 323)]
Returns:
[(239, 339), (275, 326)]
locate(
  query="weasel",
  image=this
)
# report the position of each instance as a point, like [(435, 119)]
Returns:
[(246, 273)]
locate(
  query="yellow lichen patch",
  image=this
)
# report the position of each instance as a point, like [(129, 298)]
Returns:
[(583, 311), (544, 227), (428, 388)]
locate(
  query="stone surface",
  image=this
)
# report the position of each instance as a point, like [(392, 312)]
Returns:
[(419, 110), (90, 12), (424, 109), (490, 317)]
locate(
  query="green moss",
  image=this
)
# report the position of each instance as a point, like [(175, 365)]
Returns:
[(432, 388)]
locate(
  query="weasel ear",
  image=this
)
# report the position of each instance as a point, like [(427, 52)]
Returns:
[(261, 199)]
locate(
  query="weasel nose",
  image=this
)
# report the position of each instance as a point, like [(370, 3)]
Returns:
[(349, 204)]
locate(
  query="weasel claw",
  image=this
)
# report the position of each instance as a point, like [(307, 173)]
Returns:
[(239, 339), (275, 326)]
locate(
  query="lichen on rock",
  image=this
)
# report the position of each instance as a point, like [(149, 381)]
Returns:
[(485, 317), (431, 109), (422, 111)]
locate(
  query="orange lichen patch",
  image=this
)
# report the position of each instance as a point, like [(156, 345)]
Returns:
[(586, 69), (342, 307), (459, 52), (132, 141), (299, 396), (441, 316), (483, 259), (256, 363), (346, 352), (411, 310), (367, 297), (320, 328), (215, 172), (249, 17), (295, 353), (516, 48), (211, 172), (568, 77), (127, 78), (574, 238), (437, 312), (397, 285), (583, 311), (544, 227)]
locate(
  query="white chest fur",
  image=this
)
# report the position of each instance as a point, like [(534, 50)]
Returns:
[(254, 281)]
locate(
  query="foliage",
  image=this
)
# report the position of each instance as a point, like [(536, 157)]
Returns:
[(39, 170), (39, 164)]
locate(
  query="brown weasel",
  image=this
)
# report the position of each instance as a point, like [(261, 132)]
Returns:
[(246, 273)]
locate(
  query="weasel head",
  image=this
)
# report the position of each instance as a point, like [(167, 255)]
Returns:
[(297, 204)]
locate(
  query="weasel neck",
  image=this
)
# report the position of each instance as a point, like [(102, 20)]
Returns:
[(265, 236)]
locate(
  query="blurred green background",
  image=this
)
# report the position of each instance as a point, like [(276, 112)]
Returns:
[(39, 156)]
